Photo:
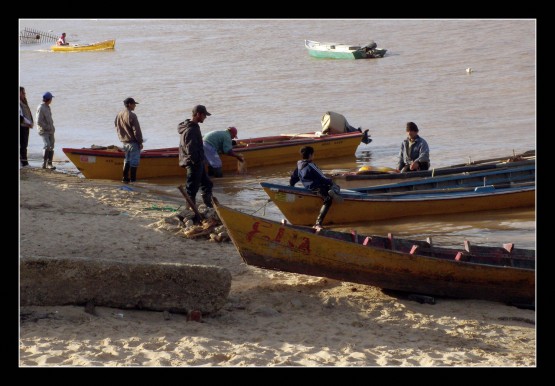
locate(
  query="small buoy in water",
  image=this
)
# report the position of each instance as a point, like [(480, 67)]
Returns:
[(469, 70)]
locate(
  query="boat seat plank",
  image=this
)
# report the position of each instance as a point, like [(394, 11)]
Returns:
[(507, 255), (390, 242), (376, 241), (441, 253)]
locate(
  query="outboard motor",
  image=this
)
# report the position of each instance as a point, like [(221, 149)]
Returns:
[(370, 46)]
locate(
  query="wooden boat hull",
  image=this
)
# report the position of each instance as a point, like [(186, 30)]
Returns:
[(257, 152), (301, 206), (515, 172), (271, 245), (341, 51), (104, 45), (375, 176)]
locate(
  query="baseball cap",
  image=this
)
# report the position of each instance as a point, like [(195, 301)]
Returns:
[(47, 95), (200, 109), (129, 100), (233, 132)]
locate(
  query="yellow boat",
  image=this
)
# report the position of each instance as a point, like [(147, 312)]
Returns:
[(301, 206), (505, 274), (104, 45), (259, 151)]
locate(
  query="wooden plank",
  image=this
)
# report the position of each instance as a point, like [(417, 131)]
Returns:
[(192, 204)]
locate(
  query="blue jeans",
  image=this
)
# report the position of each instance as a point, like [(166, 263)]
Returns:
[(132, 153), (212, 156)]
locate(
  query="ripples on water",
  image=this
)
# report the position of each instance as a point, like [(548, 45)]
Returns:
[(257, 76)]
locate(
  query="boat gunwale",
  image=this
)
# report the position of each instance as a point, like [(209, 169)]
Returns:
[(174, 151), (398, 196)]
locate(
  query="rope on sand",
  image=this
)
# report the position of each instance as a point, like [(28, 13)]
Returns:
[(163, 208)]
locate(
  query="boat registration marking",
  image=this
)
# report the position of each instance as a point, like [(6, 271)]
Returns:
[(88, 159), (285, 197)]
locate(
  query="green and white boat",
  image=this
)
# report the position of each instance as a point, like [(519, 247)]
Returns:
[(344, 51)]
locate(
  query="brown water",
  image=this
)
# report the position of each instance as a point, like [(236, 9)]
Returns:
[(257, 75)]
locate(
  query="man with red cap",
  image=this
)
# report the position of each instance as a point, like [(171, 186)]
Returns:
[(219, 142)]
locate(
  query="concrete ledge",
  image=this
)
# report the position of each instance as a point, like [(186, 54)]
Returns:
[(173, 287)]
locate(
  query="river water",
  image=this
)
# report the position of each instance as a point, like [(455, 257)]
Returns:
[(256, 75)]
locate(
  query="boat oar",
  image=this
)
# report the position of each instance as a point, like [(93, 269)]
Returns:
[(198, 216)]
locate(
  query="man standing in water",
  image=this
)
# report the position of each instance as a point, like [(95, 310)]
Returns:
[(130, 134), (216, 142), (191, 156)]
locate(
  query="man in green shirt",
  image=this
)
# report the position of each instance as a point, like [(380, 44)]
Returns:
[(219, 142)]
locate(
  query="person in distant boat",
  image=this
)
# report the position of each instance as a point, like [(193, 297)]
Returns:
[(219, 142), (312, 178), (191, 156), (25, 123), (46, 129), (130, 134), (415, 153), (62, 40)]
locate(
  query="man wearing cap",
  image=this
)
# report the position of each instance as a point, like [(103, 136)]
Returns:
[(191, 156), (46, 129), (129, 133), (415, 153), (216, 142)]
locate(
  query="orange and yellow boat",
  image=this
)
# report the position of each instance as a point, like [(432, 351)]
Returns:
[(505, 274), (103, 163)]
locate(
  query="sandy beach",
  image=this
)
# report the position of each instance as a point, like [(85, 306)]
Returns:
[(270, 319)]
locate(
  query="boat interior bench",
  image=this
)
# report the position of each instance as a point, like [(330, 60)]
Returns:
[(507, 255)]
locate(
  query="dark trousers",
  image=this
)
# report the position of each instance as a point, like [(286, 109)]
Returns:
[(323, 192), (424, 165), (198, 179), (421, 166), (23, 142)]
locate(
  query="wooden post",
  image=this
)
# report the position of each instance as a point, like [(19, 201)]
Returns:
[(190, 202)]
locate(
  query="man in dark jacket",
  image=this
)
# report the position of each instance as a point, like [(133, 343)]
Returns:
[(191, 156), (415, 152), (312, 178)]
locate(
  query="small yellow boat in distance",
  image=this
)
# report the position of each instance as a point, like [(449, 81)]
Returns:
[(103, 45)]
